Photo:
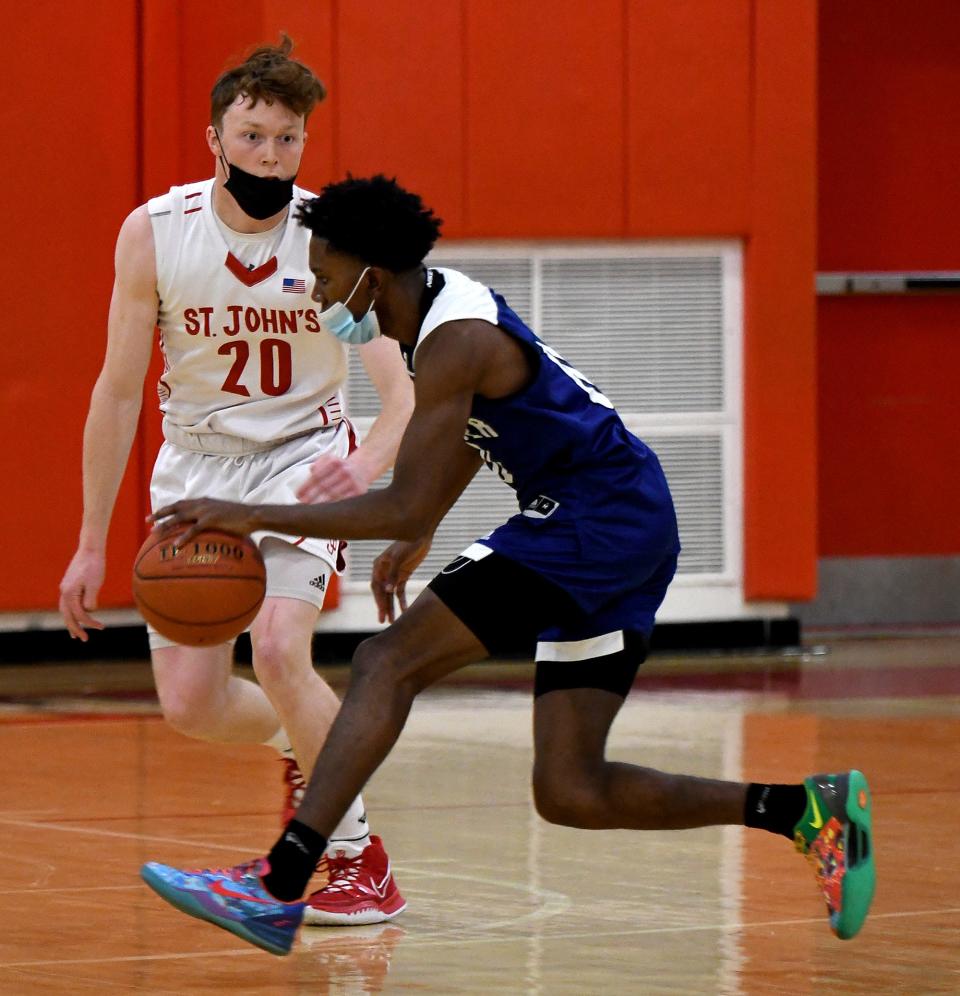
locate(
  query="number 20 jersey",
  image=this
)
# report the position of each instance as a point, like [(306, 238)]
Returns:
[(596, 515), (244, 353)]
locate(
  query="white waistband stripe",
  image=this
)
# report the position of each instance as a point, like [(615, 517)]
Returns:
[(581, 650), (476, 551)]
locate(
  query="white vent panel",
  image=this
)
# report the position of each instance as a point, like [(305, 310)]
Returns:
[(361, 401), (647, 332), (694, 468)]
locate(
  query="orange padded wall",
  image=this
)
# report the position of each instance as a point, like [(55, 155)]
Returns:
[(889, 402), (70, 176), (617, 119), (779, 349), (689, 118)]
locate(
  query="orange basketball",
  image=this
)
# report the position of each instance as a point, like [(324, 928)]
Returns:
[(200, 594)]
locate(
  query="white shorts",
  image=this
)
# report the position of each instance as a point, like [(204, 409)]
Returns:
[(297, 567)]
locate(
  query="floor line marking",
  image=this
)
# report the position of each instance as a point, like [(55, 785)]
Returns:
[(465, 936), (411, 941), (187, 842), (91, 832), (236, 952), (67, 888)]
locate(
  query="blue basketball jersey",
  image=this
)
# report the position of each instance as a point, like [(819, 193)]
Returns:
[(596, 515)]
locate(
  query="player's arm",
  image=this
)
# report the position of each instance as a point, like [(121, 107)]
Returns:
[(393, 568), (332, 478), (113, 414), (433, 465), (385, 368)]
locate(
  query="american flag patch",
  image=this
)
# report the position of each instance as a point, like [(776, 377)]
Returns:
[(292, 285)]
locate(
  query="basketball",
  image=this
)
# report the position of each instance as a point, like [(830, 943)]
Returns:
[(200, 594)]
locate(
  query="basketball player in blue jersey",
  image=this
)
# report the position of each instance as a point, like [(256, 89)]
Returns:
[(581, 569)]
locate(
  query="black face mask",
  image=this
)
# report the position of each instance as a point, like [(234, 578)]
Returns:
[(261, 197)]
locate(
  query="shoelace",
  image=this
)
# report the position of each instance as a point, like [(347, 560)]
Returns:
[(293, 777), (235, 872), (342, 871)]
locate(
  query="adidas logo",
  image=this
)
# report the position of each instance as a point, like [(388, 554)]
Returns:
[(319, 582)]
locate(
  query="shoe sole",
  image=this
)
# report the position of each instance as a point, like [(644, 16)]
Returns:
[(859, 883), (362, 918), (184, 902)]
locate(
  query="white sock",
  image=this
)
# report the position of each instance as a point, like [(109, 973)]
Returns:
[(352, 833), (280, 742)]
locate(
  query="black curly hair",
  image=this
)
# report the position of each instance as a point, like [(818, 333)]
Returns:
[(373, 219)]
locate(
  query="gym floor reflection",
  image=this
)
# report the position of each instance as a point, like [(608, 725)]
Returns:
[(94, 784)]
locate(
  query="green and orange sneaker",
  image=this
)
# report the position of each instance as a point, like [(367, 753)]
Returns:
[(836, 836)]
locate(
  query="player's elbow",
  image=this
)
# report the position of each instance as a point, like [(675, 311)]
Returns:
[(403, 403), (412, 521), (117, 395), (411, 529)]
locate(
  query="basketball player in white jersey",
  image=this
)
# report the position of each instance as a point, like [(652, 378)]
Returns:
[(250, 395)]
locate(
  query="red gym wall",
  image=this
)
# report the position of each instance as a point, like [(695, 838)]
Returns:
[(616, 119), (889, 367)]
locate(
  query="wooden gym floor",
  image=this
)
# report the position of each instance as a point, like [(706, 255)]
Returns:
[(94, 784)]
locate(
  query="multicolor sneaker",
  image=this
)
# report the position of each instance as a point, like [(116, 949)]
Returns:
[(359, 890), (835, 834), (294, 786), (232, 898)]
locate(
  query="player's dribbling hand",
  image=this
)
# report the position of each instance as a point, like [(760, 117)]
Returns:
[(78, 593), (332, 478), (391, 571), (204, 513)]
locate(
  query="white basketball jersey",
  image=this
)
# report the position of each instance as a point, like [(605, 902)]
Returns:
[(245, 355)]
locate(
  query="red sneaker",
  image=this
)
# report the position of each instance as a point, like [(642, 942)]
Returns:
[(359, 890), (294, 786)]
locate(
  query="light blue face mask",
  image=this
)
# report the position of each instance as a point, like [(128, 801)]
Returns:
[(338, 320)]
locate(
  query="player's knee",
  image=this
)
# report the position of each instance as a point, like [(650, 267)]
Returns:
[(569, 800), (191, 686), (376, 664), (187, 711), (276, 654), (372, 663)]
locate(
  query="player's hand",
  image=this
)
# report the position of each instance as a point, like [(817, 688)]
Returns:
[(205, 513), (391, 571), (332, 478), (79, 590)]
